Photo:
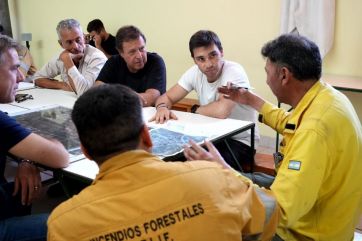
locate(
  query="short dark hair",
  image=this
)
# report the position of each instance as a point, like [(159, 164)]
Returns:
[(127, 33), (95, 25), (5, 44), (204, 38), (297, 53), (109, 120)]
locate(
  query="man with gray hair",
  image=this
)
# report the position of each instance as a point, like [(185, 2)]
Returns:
[(78, 64), (16, 197), (320, 158)]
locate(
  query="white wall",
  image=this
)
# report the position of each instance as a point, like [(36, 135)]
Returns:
[(242, 25)]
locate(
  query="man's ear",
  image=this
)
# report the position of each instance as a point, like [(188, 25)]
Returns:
[(285, 75), (194, 60), (85, 152), (193, 57), (145, 139), (120, 52), (60, 43)]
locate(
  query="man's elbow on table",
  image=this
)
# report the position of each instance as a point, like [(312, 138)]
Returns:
[(50, 153)]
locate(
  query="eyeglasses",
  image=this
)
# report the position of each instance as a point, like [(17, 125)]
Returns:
[(23, 97)]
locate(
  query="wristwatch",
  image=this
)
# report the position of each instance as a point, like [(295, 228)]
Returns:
[(27, 161), (194, 108)]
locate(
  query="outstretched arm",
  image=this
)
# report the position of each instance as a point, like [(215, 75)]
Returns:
[(221, 108), (241, 96), (165, 102)]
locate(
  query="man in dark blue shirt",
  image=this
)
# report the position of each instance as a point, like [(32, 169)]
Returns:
[(142, 71), (16, 197)]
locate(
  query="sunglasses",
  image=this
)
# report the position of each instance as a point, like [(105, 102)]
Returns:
[(23, 97)]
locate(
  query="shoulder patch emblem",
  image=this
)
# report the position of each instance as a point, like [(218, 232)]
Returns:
[(294, 165)]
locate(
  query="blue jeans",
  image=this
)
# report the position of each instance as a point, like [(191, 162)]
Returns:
[(10, 206), (262, 179), (25, 228), (15, 223)]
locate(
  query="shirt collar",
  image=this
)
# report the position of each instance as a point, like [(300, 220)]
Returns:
[(122, 160), (303, 104)]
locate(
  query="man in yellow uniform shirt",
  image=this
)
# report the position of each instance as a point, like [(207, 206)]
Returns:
[(318, 181), (137, 196)]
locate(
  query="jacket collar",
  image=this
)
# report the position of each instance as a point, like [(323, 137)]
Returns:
[(122, 160), (304, 103)]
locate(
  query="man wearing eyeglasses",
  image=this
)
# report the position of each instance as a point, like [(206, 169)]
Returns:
[(98, 37), (78, 64)]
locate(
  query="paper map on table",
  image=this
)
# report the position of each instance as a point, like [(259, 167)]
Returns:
[(54, 123), (169, 143)]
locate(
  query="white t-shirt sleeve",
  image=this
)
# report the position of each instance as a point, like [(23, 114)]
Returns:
[(189, 78), (235, 74), (93, 63)]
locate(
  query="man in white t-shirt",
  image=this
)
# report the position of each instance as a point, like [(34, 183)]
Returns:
[(210, 72)]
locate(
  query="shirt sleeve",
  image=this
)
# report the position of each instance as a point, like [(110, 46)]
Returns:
[(301, 175), (235, 74), (157, 75), (106, 73), (259, 211), (50, 70), (274, 117), (91, 67), (187, 79), (11, 132)]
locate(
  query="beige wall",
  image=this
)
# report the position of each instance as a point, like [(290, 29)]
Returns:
[(346, 56), (243, 26)]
